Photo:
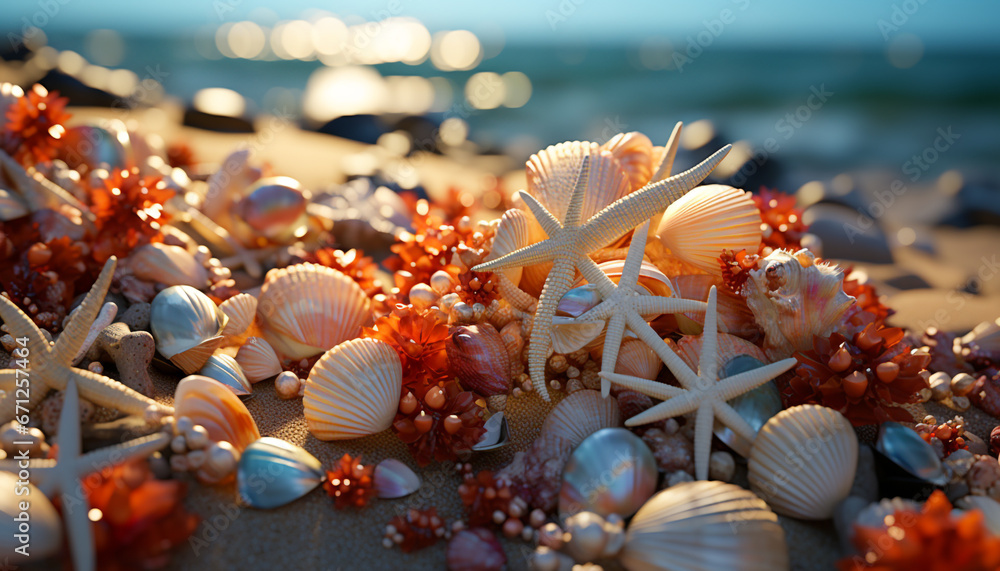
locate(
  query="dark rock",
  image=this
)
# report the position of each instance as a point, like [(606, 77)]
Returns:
[(849, 235), (909, 281)]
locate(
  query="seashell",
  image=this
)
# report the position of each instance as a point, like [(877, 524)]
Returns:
[(793, 299), (591, 537), (234, 175), (697, 227), (478, 357), (241, 310), (99, 146), (636, 359), (704, 526), (475, 549), (803, 461), (393, 479), (353, 390), (227, 371), (11, 206), (273, 472), (611, 472), (258, 360), (581, 414), (46, 525), (635, 153), (734, 318), (497, 433), (221, 461), (756, 406), (729, 347), (513, 341), (905, 448), (307, 309), (513, 233), (211, 404), (569, 335), (167, 265), (274, 208), (187, 326)]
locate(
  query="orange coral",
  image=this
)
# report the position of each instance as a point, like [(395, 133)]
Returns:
[(420, 338), (350, 483), (35, 126), (781, 221), (417, 530), (352, 263), (736, 268), (443, 433), (129, 210)]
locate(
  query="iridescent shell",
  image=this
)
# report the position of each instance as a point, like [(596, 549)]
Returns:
[(353, 390), (241, 309), (187, 326), (258, 360), (227, 371), (274, 208), (705, 526), (793, 299), (581, 414), (273, 472), (167, 265), (635, 153), (211, 404), (393, 479), (803, 461), (307, 309), (621, 466), (904, 447), (478, 357)]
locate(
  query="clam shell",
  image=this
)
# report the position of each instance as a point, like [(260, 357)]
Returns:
[(636, 359), (213, 405), (393, 479), (581, 414), (307, 309), (513, 233), (497, 433), (353, 390), (709, 219), (803, 461), (478, 357), (273, 472), (46, 525), (704, 526), (187, 326), (167, 265), (227, 371), (756, 406), (910, 452), (240, 309), (635, 153), (734, 315), (651, 278), (11, 206), (611, 472), (258, 360)]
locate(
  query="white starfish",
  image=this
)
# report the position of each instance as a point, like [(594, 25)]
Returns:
[(623, 306), (702, 392)]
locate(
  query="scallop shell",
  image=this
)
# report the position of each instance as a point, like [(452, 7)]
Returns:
[(211, 404), (258, 360), (227, 371), (803, 461), (240, 309), (793, 298), (636, 359), (709, 219), (652, 280), (513, 233), (167, 265), (734, 315), (478, 357), (729, 347), (307, 309), (353, 390), (704, 526), (581, 414), (187, 326), (635, 153)]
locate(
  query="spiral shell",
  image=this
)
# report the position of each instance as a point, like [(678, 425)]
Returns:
[(353, 390), (258, 360), (803, 461), (478, 357), (581, 414), (211, 404), (307, 309), (187, 326), (167, 265), (240, 309)]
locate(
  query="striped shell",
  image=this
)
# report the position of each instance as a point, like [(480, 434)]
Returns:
[(353, 390), (478, 357), (704, 526), (803, 461), (513, 233), (635, 153), (240, 309), (709, 219), (187, 326), (636, 359), (307, 309), (258, 360), (581, 414), (167, 265), (211, 404), (729, 346)]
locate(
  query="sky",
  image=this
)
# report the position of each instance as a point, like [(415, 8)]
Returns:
[(938, 23)]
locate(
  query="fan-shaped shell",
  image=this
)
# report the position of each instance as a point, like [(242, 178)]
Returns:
[(307, 309), (688, 348), (636, 359), (581, 414), (803, 461), (187, 326), (652, 280), (353, 390), (240, 309), (709, 219), (635, 153), (512, 234), (168, 265), (258, 360), (704, 526), (734, 315), (211, 404)]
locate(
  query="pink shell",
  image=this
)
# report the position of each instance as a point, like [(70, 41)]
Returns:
[(635, 153), (478, 357), (475, 550), (213, 405)]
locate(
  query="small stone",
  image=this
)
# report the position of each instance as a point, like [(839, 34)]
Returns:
[(672, 452), (940, 386), (960, 462), (286, 384), (961, 403), (558, 363), (995, 440), (678, 477), (136, 317), (961, 384), (721, 466)]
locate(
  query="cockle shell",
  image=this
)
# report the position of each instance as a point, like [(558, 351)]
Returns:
[(167, 265), (793, 298), (187, 326), (45, 523), (274, 208), (258, 360), (477, 356), (241, 310), (227, 371), (569, 335), (307, 309), (353, 390), (635, 153), (581, 414), (273, 472), (513, 340), (704, 526), (701, 224), (393, 479), (803, 461), (611, 472), (211, 404), (636, 359)]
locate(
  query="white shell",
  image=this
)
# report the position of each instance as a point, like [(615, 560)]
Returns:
[(167, 265), (513, 233), (187, 326), (240, 309), (704, 526), (258, 360), (46, 526), (803, 461), (353, 390), (581, 414)]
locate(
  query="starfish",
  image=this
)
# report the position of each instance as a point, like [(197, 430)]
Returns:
[(50, 366), (64, 476), (622, 305), (703, 391), (570, 241)]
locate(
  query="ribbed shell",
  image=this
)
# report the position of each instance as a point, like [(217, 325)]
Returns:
[(636, 359), (635, 153), (258, 360), (652, 280), (803, 461), (709, 219), (513, 233), (167, 265), (705, 526), (353, 390), (211, 404), (307, 309), (581, 414), (729, 346), (240, 309)]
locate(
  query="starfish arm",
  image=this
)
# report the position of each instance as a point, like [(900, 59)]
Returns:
[(536, 253), (78, 527), (600, 312), (728, 415), (708, 361), (104, 318), (9, 407), (667, 164), (575, 209), (629, 211), (558, 282), (731, 387), (515, 296), (545, 218), (593, 274), (679, 405), (73, 336), (8, 378), (654, 389), (109, 393), (20, 326), (648, 336), (633, 260), (104, 458), (704, 422), (651, 306), (612, 343)]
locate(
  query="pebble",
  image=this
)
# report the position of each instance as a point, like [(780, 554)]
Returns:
[(136, 317)]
